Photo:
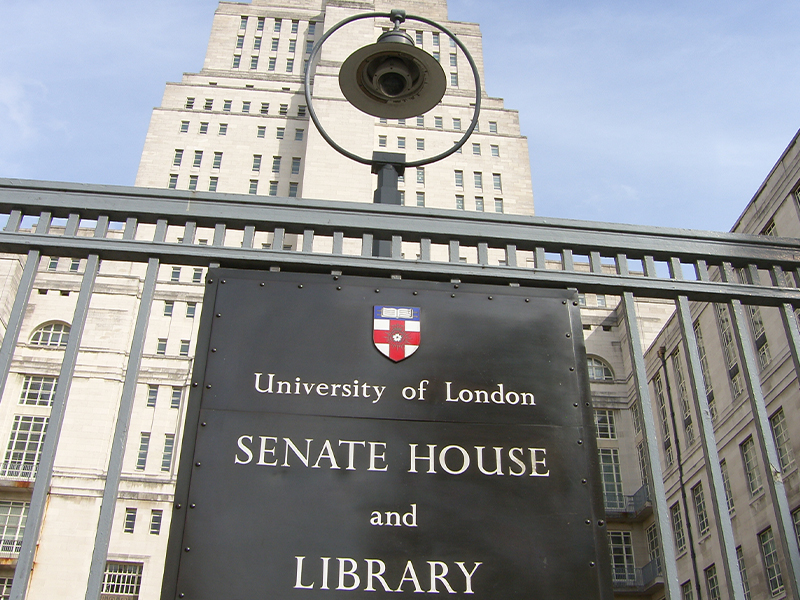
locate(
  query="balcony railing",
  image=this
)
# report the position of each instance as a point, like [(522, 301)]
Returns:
[(18, 470), (630, 507), (639, 579)]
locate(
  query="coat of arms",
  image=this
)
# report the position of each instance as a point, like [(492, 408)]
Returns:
[(395, 331)]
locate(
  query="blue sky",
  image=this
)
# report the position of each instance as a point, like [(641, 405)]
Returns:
[(636, 112)]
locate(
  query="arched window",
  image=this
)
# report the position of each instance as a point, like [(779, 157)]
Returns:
[(52, 335), (599, 370)]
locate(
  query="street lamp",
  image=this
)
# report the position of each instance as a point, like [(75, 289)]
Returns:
[(392, 79)]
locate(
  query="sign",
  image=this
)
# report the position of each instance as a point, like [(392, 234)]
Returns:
[(331, 452)]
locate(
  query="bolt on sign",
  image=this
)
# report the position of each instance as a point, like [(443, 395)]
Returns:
[(351, 436)]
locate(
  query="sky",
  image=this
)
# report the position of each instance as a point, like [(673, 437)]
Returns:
[(650, 113)]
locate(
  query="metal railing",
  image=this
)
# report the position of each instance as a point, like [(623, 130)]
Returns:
[(154, 227), (638, 579), (621, 505), (18, 470)]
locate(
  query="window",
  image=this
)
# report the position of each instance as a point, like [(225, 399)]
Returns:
[(262, 131), (257, 44), (246, 107), (479, 204), (295, 166), (769, 553), (13, 515), (478, 178), (621, 550), (401, 142), (173, 182), (452, 43), (309, 46), (209, 104), (712, 584), (421, 175), (198, 158), (292, 45), (169, 305), (253, 189), (401, 122), (243, 23), (265, 108), (123, 579), (273, 188), (437, 122), (177, 396), (605, 425), (52, 335), (312, 27), (780, 433), (726, 485), (176, 160), (437, 57), (453, 60), (217, 160), (658, 385), (419, 38), (401, 179), (184, 126), (687, 593), (498, 205), (74, 265), (191, 308), (612, 479), (256, 162), (260, 25), (381, 141), (599, 370), (454, 79), (459, 202), (435, 38), (152, 396), (653, 546), (184, 350), (292, 190), (701, 349), (274, 47), (676, 516), (643, 466), (271, 65), (476, 149), (295, 25), (226, 105), (421, 121), (144, 445), (276, 164), (289, 65), (301, 110), (192, 182), (498, 187), (492, 126), (495, 150), (700, 509), (38, 390), (24, 447), (281, 131), (253, 62), (203, 128), (298, 135), (420, 144), (155, 521), (420, 198), (175, 275), (750, 462), (189, 104), (197, 275), (130, 520), (223, 129), (161, 346), (770, 229), (277, 26), (743, 572), (460, 180), (166, 456)]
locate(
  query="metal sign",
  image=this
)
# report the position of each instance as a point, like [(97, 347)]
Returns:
[(332, 449)]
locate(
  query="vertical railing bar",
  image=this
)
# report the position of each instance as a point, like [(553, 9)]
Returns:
[(249, 236), (397, 247), (567, 262), (308, 240), (219, 235), (277, 238), (366, 245), (44, 474), (425, 249), (43, 226), (101, 228), (17, 315), (483, 253), (338, 242), (701, 268), (649, 266), (675, 268), (595, 262), (114, 474), (453, 251), (648, 424), (189, 232), (719, 503), (511, 255), (622, 265), (766, 443), (129, 233), (71, 228), (539, 259), (14, 220), (754, 275)]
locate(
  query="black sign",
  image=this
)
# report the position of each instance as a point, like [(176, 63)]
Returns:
[(349, 435)]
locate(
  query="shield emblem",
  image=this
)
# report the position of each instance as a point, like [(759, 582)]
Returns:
[(395, 331)]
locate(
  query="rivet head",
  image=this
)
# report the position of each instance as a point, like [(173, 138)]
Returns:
[(186, 549), (572, 368), (300, 286), (455, 285), (452, 295), (563, 302), (181, 595), (569, 335), (197, 464), (194, 384), (575, 404), (527, 299), (491, 298), (192, 505), (338, 287), (415, 293), (580, 442), (587, 404), (601, 523), (575, 303), (591, 564), (588, 522), (210, 281), (336, 278), (262, 284), (203, 424), (583, 481), (178, 507), (213, 349), (219, 315), (377, 291), (223, 281), (208, 386)]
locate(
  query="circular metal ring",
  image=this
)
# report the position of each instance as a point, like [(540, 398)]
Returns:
[(368, 161)]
